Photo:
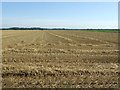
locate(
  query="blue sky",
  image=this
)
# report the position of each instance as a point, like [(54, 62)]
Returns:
[(60, 14)]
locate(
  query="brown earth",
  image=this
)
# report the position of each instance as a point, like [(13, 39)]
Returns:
[(62, 59)]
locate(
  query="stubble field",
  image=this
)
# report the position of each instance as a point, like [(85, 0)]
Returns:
[(59, 58)]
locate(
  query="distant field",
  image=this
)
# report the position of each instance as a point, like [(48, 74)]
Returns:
[(59, 58), (101, 30)]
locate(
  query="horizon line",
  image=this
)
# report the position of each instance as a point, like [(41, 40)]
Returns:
[(51, 27)]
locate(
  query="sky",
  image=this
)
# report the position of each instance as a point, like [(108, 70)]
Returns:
[(82, 15)]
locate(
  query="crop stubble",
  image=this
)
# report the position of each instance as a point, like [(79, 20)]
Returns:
[(59, 58)]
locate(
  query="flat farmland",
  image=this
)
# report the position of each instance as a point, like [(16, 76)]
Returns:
[(59, 59)]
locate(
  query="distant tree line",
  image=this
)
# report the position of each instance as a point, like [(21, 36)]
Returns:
[(33, 28), (38, 28)]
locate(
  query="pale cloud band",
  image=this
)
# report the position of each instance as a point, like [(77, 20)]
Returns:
[(60, 0)]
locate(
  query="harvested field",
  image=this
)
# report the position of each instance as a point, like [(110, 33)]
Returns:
[(59, 58)]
